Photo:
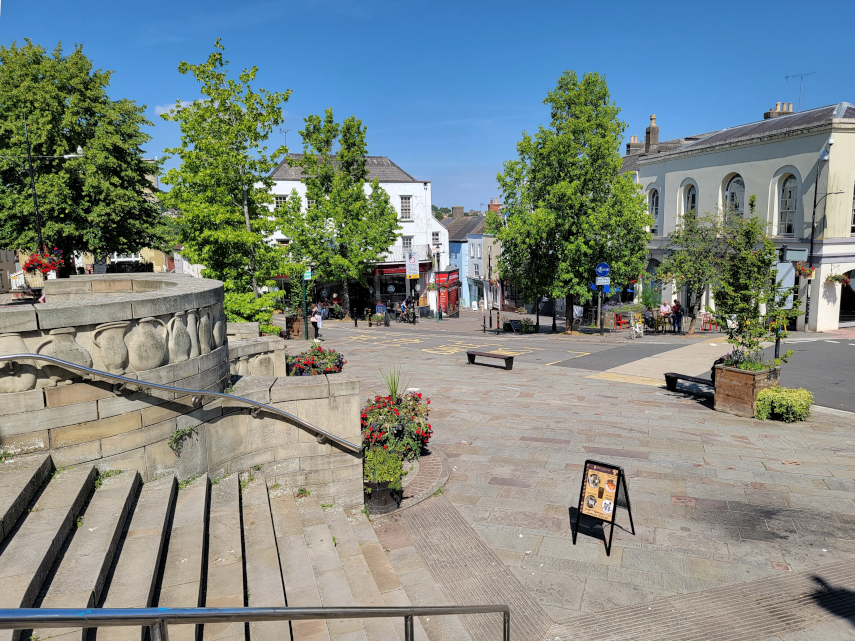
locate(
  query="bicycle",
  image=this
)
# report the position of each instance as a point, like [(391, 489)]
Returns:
[(408, 316), (636, 327)]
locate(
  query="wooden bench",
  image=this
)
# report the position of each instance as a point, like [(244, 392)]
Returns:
[(509, 360), (671, 380)]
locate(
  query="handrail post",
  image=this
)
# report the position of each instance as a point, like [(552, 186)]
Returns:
[(408, 628), (506, 616), (159, 631)]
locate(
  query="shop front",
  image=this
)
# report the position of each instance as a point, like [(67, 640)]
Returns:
[(448, 288)]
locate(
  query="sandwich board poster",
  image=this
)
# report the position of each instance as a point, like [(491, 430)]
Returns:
[(601, 485)]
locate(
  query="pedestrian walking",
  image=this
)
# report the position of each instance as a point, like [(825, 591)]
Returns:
[(677, 317), (315, 319)]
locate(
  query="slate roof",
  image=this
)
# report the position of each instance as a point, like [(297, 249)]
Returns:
[(771, 126), (379, 167), (459, 227)]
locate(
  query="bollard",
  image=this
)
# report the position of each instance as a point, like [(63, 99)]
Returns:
[(497, 322), (485, 325)]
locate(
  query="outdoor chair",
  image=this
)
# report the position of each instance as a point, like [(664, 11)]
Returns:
[(707, 322)]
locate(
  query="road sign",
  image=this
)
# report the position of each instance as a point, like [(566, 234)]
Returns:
[(412, 265), (603, 280), (307, 275), (602, 269)]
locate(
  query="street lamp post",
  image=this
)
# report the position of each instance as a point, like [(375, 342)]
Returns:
[(31, 171), (823, 157)]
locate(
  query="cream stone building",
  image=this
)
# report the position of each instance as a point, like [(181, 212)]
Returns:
[(789, 161)]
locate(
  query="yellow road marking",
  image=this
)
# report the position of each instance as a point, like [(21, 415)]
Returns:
[(580, 354), (553, 363)]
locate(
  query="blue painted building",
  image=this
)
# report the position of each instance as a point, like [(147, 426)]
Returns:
[(458, 253)]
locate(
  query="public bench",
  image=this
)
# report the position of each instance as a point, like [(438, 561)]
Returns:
[(671, 380), (509, 360)]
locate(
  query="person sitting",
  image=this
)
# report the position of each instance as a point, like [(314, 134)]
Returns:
[(664, 308)]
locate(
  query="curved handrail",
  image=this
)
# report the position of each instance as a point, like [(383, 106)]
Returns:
[(197, 394)]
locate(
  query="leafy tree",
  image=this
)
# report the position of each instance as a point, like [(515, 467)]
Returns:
[(222, 188), (101, 203), (570, 172), (349, 223), (695, 254), (749, 301)]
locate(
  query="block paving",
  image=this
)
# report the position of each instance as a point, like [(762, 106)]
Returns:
[(718, 501)]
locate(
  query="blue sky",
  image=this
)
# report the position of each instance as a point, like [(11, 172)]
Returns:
[(446, 88)]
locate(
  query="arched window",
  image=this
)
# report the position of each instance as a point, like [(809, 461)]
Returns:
[(653, 206), (787, 214), (734, 196), (691, 200)]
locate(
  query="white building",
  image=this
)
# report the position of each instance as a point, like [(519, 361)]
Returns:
[(421, 232), (780, 160)]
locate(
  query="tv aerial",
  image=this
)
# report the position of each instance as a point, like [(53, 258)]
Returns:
[(284, 132), (801, 77)]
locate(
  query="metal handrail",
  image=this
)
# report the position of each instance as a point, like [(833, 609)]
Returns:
[(159, 618), (198, 395)]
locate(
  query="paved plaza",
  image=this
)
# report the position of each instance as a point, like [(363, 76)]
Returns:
[(717, 500)]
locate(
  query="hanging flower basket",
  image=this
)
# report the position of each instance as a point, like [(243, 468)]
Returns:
[(843, 279), (45, 262), (804, 271)]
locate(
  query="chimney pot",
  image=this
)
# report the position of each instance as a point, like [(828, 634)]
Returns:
[(777, 106), (791, 108), (652, 119)]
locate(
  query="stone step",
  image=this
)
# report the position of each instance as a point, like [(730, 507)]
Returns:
[(27, 556), (333, 586), (133, 582), (20, 479), (224, 581), (301, 587), (263, 575), (83, 569), (384, 574), (362, 583), (181, 586)]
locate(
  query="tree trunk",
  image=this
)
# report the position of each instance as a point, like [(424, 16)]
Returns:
[(345, 299), (251, 249), (554, 326), (568, 312), (696, 305), (537, 311)]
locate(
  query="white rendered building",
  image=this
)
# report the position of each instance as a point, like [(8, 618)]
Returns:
[(421, 232), (780, 160)]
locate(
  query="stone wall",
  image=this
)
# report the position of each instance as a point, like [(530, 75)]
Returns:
[(259, 356)]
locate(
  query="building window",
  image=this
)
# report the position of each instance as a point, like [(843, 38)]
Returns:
[(435, 238), (734, 196), (691, 199), (653, 205), (852, 229), (406, 208), (407, 242), (471, 250), (279, 201), (476, 269), (283, 242), (310, 203), (479, 251), (787, 216)]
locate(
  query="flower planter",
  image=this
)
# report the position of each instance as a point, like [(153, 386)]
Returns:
[(382, 498), (736, 390)]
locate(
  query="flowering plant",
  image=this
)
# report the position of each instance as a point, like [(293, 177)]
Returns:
[(843, 279), (399, 424), (804, 271), (316, 361), (44, 262), (431, 287)]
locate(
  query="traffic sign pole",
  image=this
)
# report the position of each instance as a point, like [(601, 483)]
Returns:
[(305, 318)]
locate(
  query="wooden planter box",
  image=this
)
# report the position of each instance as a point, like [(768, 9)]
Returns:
[(736, 390)]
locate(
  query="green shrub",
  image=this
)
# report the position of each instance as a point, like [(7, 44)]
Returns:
[(527, 326), (399, 425), (382, 465), (784, 404), (316, 361), (377, 319)]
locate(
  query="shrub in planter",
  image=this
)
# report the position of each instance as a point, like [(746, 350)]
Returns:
[(316, 361), (399, 425), (382, 466), (784, 404)]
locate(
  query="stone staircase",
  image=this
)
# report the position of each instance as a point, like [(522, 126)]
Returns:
[(75, 538)]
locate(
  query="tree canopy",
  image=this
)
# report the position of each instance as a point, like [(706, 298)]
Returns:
[(347, 224), (222, 188), (565, 193), (101, 203)]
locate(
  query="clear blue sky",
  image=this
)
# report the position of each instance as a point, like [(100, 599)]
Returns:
[(446, 88)]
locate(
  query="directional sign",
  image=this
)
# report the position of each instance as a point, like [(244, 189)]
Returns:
[(602, 269), (603, 280), (412, 265), (307, 275)]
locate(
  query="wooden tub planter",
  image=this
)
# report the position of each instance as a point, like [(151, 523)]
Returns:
[(736, 390), (382, 498)]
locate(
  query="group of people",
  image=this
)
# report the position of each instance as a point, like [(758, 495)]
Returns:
[(675, 313)]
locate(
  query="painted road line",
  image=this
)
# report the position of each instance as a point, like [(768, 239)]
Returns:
[(553, 363), (580, 354)]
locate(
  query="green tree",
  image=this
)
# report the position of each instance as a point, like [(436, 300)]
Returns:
[(749, 301), (695, 253), (345, 229), (570, 172), (101, 203), (222, 188)]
